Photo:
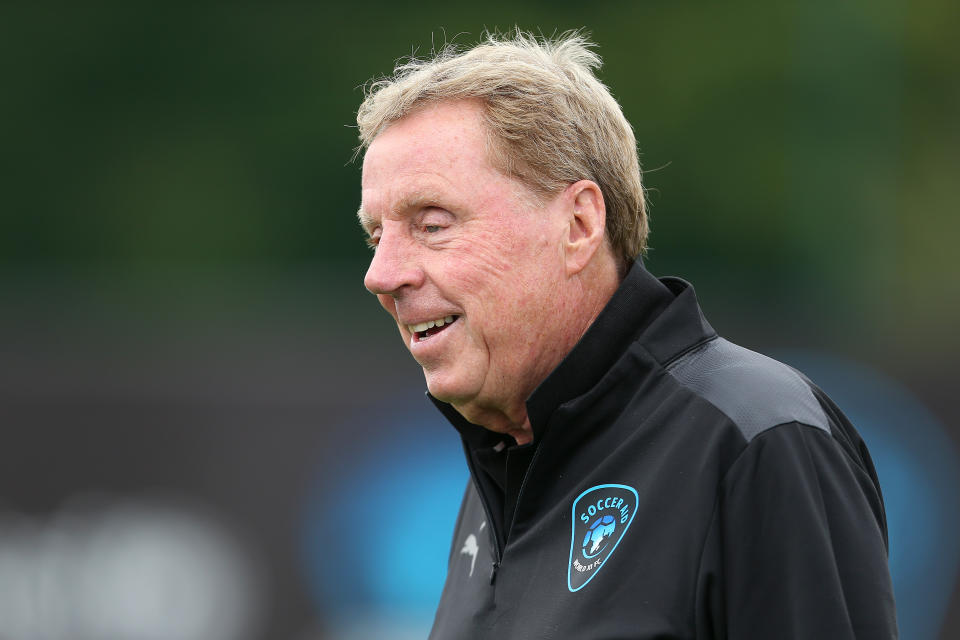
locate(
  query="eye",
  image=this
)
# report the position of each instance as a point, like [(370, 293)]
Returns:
[(433, 220), (432, 223)]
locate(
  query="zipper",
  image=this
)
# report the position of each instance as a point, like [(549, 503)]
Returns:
[(523, 485), (498, 553)]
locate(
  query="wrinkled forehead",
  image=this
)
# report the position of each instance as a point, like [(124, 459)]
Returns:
[(439, 134)]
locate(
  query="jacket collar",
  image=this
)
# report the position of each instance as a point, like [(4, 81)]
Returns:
[(663, 315)]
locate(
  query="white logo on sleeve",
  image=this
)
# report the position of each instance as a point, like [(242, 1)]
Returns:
[(471, 548)]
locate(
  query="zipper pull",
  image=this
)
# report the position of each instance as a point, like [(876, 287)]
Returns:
[(493, 572)]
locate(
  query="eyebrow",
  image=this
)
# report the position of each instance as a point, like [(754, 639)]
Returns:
[(364, 218)]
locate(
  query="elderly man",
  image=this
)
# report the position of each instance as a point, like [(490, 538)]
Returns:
[(633, 475)]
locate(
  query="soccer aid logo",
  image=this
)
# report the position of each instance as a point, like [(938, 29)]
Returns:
[(601, 516)]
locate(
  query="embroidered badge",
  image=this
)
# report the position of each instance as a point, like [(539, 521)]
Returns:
[(601, 516)]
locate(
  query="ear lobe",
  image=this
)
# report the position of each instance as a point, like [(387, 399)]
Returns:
[(587, 224)]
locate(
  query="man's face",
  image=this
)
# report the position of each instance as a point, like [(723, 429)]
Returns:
[(463, 261)]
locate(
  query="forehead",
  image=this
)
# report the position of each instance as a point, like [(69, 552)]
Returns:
[(454, 130), (437, 150)]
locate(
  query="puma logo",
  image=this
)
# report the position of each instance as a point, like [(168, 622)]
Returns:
[(471, 548)]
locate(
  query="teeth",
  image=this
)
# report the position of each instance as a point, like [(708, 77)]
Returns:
[(423, 326)]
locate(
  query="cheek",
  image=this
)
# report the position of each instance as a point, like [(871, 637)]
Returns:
[(505, 297), (472, 273), (503, 275), (487, 286), (499, 259)]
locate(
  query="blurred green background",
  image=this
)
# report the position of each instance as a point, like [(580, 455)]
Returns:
[(801, 157), (179, 252)]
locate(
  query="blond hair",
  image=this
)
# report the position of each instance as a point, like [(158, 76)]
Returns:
[(551, 121)]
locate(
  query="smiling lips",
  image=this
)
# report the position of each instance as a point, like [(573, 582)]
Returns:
[(425, 330)]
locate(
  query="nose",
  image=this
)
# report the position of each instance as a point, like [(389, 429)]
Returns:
[(394, 265)]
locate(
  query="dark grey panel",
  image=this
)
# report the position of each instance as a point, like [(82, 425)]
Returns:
[(754, 391)]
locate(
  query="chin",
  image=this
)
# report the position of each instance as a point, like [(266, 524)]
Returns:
[(448, 389), (445, 393)]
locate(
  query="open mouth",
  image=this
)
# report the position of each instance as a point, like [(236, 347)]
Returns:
[(426, 330)]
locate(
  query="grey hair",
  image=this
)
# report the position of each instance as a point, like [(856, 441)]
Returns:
[(551, 121)]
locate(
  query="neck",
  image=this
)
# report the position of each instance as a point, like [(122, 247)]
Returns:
[(595, 285)]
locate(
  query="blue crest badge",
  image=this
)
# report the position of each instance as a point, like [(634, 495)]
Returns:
[(601, 516)]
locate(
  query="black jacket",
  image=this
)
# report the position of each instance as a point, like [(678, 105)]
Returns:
[(678, 486)]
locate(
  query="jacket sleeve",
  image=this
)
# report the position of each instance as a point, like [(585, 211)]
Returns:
[(797, 545)]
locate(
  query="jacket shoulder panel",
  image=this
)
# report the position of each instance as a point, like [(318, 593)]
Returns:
[(754, 391)]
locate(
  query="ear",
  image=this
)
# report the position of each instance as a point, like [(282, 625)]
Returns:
[(587, 218)]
